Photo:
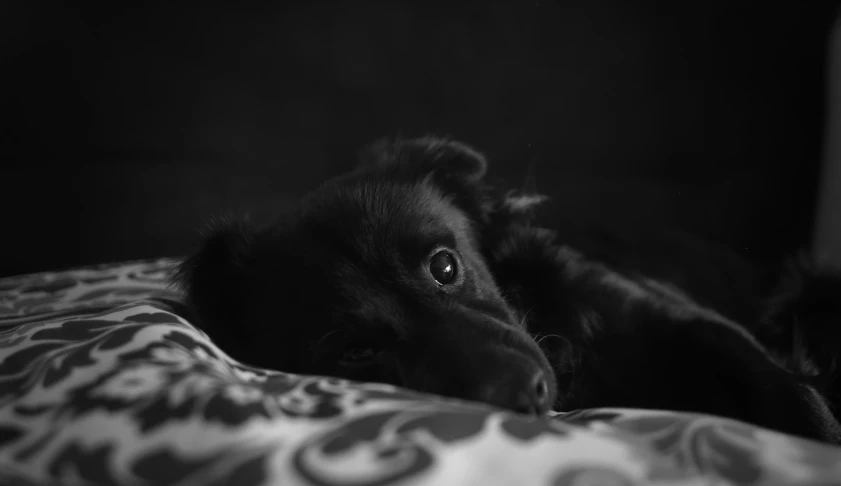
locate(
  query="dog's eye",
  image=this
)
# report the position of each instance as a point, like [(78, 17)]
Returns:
[(442, 266)]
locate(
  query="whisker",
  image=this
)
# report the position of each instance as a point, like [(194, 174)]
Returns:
[(538, 338), (525, 316)]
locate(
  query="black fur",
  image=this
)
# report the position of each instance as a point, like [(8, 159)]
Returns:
[(343, 287), (348, 272), (801, 323)]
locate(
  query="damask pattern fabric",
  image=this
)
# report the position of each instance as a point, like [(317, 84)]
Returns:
[(103, 381)]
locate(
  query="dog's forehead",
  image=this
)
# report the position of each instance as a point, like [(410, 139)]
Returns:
[(379, 208)]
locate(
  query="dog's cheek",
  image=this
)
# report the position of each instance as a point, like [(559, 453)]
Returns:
[(412, 366), (384, 370), (281, 327)]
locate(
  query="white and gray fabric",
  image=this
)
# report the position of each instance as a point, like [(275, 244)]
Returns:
[(101, 382)]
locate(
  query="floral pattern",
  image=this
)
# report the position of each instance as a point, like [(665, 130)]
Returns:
[(104, 381)]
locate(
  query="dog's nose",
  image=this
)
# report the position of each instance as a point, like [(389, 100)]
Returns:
[(528, 396), (534, 398)]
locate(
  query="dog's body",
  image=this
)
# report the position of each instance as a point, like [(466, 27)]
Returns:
[(412, 271)]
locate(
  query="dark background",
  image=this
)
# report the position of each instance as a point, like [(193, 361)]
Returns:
[(125, 128)]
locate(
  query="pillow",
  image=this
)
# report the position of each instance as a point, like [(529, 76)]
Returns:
[(103, 382)]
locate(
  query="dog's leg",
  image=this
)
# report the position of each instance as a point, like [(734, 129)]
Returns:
[(803, 325), (626, 341), (700, 366)]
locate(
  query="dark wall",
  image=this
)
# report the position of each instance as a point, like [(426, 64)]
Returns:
[(126, 128)]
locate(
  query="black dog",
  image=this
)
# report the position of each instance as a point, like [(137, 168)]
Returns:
[(412, 270)]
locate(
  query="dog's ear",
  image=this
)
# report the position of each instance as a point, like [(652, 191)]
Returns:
[(446, 160), (455, 168), (214, 277)]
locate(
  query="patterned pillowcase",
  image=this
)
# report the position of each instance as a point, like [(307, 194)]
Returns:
[(101, 382)]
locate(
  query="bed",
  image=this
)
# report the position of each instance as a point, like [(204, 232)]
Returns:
[(103, 381)]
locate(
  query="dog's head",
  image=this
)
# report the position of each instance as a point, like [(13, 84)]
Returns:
[(378, 276)]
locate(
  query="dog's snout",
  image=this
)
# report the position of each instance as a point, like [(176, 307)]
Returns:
[(540, 389), (523, 394), (534, 398)]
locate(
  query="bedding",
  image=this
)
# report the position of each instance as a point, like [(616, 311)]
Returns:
[(104, 380)]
